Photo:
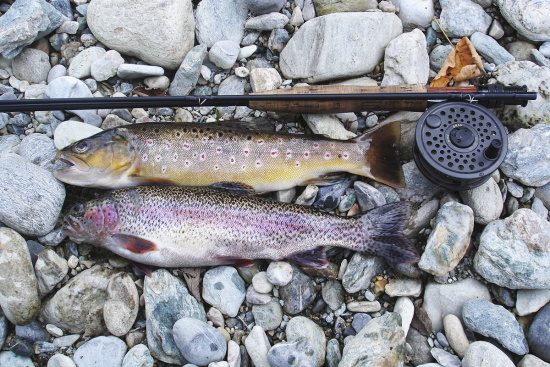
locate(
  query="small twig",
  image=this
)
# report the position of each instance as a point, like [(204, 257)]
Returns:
[(445, 34)]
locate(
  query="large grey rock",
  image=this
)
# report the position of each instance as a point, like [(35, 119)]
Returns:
[(188, 73), (101, 351), (485, 200), (50, 269), (449, 240), (489, 48), (406, 60), (70, 87), (380, 342), (106, 66), (485, 354), (347, 45), (528, 157), (158, 32), (31, 65), (462, 18), (39, 150), (218, 20), (9, 358), (121, 305), (24, 22), (443, 299), (223, 288), (81, 64), (415, 12), (78, 306), (18, 285), (301, 327), (488, 319), (515, 252), (439, 55), (537, 79), (166, 301), (528, 17), (199, 342), (224, 53), (31, 197)]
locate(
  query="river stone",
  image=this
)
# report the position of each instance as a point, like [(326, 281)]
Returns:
[(297, 353), (327, 125), (50, 269), (61, 360), (24, 22), (31, 65), (333, 294), (257, 345), (406, 60), (80, 66), (78, 306), (101, 351), (539, 334), (485, 201), (531, 300), (39, 150), (298, 294), (70, 87), (155, 31), (496, 322), (449, 240), (443, 299), (199, 342), (417, 186), (18, 285), (380, 342), (138, 71), (485, 354), (224, 53), (265, 7), (490, 49), (218, 20), (302, 327), (528, 17), (348, 44), (530, 360), (528, 156), (224, 289), (9, 358), (166, 301), (267, 22), (360, 271), (415, 12), (31, 198), (269, 316), (138, 356), (537, 79), (515, 252), (404, 287), (454, 332), (462, 18), (70, 131), (106, 65), (188, 73), (122, 304)]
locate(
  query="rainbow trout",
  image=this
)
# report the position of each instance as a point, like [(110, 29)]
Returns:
[(203, 154), (175, 226)]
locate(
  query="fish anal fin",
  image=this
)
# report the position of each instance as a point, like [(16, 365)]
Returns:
[(235, 261), (382, 158), (314, 258), (234, 187), (145, 269), (134, 244)]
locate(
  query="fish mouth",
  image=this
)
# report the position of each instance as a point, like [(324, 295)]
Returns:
[(73, 170), (73, 228), (72, 163)]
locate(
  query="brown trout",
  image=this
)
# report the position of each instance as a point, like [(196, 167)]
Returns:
[(203, 154)]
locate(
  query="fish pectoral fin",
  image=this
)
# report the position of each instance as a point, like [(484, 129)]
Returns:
[(235, 261), (145, 269), (134, 244), (234, 187), (146, 181), (315, 258), (325, 180)]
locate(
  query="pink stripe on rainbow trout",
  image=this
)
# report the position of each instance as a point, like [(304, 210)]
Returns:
[(203, 154), (175, 226)]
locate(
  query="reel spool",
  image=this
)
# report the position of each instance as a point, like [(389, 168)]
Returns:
[(459, 145)]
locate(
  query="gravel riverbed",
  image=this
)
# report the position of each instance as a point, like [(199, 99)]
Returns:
[(479, 295)]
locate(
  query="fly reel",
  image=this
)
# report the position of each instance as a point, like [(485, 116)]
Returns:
[(459, 145)]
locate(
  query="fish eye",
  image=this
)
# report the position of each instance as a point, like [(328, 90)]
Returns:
[(78, 209), (80, 147)]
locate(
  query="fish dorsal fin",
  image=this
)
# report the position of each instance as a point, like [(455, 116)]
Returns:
[(234, 187), (315, 258), (134, 244)]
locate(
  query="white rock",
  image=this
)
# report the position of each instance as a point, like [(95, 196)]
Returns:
[(224, 53), (296, 18), (461, 18), (134, 71), (264, 79), (70, 131), (35, 91), (215, 316), (267, 22), (60, 360), (246, 52), (279, 273), (81, 64), (363, 306), (300, 326), (530, 360), (454, 332), (242, 72), (219, 20), (31, 65), (405, 308), (257, 345), (327, 125), (157, 82), (415, 12), (54, 330), (403, 287), (544, 49), (406, 60), (158, 32), (528, 17), (485, 200), (531, 300), (70, 87), (340, 39), (485, 354), (68, 26), (122, 304), (233, 354), (106, 66), (261, 283)]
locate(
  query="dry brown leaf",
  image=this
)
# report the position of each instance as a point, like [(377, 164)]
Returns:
[(463, 63)]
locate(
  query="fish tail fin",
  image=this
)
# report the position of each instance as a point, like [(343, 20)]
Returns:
[(383, 228), (382, 159)]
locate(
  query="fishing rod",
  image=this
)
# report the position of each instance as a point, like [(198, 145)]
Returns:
[(310, 99)]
